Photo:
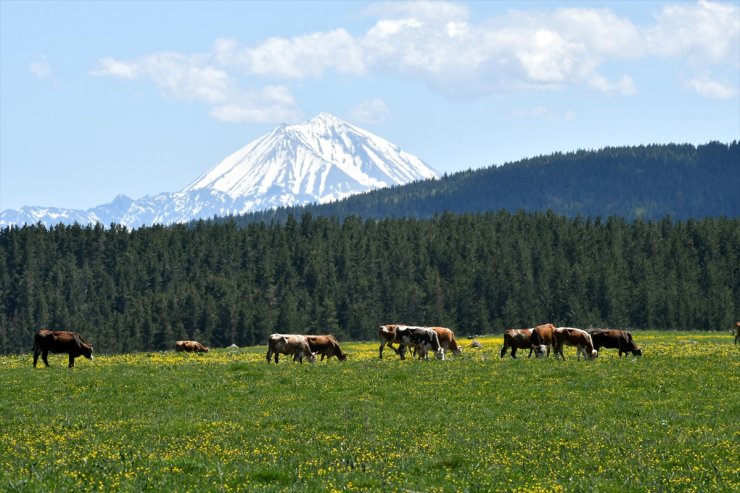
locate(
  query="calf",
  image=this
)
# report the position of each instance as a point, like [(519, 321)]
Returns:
[(421, 338), (574, 337), (294, 344), (60, 341), (615, 339), (521, 339), (190, 347), (326, 345)]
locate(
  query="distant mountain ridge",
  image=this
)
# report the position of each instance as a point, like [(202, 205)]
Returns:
[(322, 160), (682, 181)]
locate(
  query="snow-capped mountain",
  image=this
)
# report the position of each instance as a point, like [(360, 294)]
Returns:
[(321, 160)]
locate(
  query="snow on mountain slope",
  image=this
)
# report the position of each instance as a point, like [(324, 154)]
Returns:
[(321, 160), (325, 158)]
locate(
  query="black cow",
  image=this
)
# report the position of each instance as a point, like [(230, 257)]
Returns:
[(60, 341)]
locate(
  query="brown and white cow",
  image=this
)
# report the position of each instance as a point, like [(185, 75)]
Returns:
[(421, 338), (294, 344), (60, 341), (190, 347), (569, 336), (521, 339), (542, 335), (615, 339), (447, 340), (326, 345), (387, 335)]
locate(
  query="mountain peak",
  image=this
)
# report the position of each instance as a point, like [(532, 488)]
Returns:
[(321, 160)]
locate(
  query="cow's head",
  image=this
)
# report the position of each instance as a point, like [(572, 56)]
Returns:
[(457, 351), (440, 353), (342, 357), (637, 352), (312, 357), (86, 350), (540, 350), (594, 354)]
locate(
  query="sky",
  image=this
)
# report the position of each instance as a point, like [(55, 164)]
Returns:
[(137, 98)]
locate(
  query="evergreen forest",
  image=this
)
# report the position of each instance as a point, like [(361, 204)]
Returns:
[(222, 283)]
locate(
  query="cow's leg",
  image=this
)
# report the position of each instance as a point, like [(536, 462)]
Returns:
[(380, 349), (36, 353), (402, 351), (71, 361), (503, 350), (513, 351), (269, 355), (559, 350), (44, 355)]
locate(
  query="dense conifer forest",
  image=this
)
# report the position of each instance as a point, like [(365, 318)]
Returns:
[(476, 273), (646, 182)]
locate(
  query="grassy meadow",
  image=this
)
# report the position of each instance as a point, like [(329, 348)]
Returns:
[(228, 421)]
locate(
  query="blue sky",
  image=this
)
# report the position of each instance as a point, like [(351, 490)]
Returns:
[(138, 98)]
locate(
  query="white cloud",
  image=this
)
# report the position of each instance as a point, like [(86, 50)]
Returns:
[(709, 88), (373, 111), (116, 68), (42, 69), (701, 31), (440, 45), (269, 105), (305, 56)]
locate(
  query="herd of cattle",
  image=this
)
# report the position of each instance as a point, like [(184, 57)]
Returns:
[(420, 340)]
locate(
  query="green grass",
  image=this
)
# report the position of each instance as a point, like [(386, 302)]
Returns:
[(228, 421)]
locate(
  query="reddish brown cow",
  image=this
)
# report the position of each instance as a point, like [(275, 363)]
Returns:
[(326, 345), (543, 336), (574, 337), (294, 344), (520, 339), (60, 341), (615, 339), (190, 347)]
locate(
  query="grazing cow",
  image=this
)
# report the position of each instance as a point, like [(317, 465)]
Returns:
[(421, 338), (737, 332), (326, 346), (60, 341), (387, 335), (446, 340), (521, 339), (574, 337), (615, 339), (542, 335), (294, 344), (190, 347)]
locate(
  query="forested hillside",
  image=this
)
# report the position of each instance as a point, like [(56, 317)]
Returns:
[(647, 182), (222, 284)]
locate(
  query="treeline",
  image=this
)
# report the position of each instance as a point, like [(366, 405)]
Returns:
[(646, 182), (222, 284)]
